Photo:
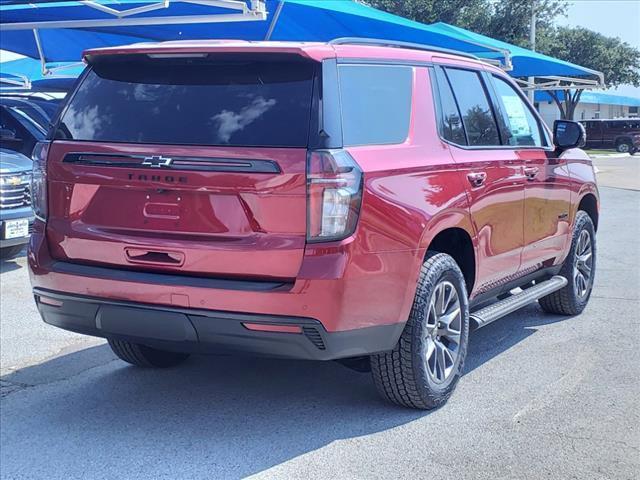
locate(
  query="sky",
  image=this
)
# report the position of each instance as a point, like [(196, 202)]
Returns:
[(614, 18)]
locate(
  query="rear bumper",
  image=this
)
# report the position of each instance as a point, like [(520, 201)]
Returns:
[(345, 292), (207, 331)]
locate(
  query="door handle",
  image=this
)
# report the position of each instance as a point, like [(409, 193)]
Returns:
[(477, 179), (531, 172)]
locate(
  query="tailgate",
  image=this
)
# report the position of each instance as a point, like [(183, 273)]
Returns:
[(193, 166), (228, 213)]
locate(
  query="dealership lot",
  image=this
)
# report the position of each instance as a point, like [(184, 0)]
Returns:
[(543, 396)]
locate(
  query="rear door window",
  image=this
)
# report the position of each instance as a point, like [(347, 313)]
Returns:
[(193, 102), (376, 103), (477, 115), (450, 120)]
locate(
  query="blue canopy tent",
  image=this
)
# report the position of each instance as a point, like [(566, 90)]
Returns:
[(59, 31)]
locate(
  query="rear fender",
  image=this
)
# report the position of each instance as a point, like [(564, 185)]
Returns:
[(443, 221), (457, 219)]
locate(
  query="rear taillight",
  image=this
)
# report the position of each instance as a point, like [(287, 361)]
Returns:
[(39, 180), (334, 195)]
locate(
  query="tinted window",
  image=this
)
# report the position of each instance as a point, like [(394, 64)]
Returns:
[(522, 126), (376, 103), (477, 116), (6, 121), (32, 119), (198, 102), (450, 121)]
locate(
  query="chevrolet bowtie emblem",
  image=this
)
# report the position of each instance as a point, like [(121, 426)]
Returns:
[(14, 181), (157, 161)]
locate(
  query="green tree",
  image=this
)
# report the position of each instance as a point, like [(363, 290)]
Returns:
[(510, 20), (462, 13), (617, 60), (507, 20)]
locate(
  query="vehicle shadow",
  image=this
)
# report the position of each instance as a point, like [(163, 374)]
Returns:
[(213, 417), (499, 336), (11, 264)]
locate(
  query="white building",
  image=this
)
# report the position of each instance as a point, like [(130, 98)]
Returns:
[(592, 105)]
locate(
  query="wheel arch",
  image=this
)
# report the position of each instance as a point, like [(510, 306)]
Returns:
[(454, 239), (589, 204), (622, 139)]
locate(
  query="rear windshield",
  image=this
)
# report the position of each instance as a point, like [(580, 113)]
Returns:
[(192, 102)]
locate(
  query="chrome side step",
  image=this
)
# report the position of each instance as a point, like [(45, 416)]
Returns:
[(497, 310)]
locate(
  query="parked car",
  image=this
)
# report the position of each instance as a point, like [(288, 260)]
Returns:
[(24, 121), (16, 215), (355, 201), (621, 134)]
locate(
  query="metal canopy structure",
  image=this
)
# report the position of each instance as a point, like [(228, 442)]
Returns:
[(26, 74), (36, 29), (551, 73), (549, 83), (135, 13), (58, 31)]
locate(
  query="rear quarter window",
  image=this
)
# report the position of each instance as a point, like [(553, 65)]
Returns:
[(477, 115), (376, 103), (193, 102)]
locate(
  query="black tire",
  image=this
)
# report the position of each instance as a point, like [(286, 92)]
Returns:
[(143, 356), (9, 252), (624, 146), (568, 300), (402, 375)]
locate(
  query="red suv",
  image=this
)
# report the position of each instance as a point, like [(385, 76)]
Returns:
[(359, 201)]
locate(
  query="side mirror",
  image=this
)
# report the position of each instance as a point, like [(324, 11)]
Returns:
[(568, 134)]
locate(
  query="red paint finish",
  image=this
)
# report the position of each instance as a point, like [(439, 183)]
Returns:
[(241, 224), (547, 208), (313, 51), (496, 208), (253, 226)]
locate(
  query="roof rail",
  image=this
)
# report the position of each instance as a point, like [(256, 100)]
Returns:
[(376, 42)]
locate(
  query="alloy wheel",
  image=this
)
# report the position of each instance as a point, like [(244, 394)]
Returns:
[(444, 325), (583, 264), (623, 148)]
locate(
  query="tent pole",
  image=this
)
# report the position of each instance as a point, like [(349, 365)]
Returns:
[(135, 21), (43, 61), (276, 15)]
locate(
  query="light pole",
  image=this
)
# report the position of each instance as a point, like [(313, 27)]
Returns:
[(532, 43)]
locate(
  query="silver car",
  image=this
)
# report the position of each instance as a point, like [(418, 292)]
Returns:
[(16, 215)]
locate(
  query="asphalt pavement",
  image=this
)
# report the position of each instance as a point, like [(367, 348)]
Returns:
[(543, 397), (619, 170)]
